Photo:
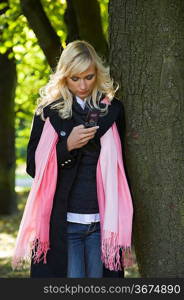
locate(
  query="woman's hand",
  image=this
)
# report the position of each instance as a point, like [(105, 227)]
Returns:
[(80, 136)]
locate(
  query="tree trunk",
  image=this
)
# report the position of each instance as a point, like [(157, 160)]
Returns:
[(48, 39), (83, 21), (147, 59), (8, 79), (7, 134), (90, 24), (71, 23)]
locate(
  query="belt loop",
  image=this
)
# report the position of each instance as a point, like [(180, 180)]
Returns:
[(92, 223)]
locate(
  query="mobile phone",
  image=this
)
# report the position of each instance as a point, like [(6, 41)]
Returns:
[(92, 118)]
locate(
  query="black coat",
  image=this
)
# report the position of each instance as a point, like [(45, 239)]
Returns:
[(67, 169)]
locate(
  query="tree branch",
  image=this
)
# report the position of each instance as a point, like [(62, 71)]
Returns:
[(46, 35)]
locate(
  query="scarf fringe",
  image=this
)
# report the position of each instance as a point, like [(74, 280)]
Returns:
[(115, 257), (20, 263), (38, 252)]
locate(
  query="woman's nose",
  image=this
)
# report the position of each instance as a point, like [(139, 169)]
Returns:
[(82, 84)]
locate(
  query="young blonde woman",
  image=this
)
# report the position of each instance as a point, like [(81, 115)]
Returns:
[(78, 217)]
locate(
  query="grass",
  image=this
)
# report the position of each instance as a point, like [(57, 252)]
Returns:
[(9, 228)]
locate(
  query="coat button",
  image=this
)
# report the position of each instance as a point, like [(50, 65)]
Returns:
[(62, 133)]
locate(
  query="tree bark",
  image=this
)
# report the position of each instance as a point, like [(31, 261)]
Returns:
[(147, 59), (90, 25), (7, 134), (48, 39), (8, 79), (71, 23)]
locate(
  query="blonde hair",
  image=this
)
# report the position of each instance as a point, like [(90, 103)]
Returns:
[(75, 59)]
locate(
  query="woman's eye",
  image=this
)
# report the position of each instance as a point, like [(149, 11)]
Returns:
[(89, 77), (74, 78)]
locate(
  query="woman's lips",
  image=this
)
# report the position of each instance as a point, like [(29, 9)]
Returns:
[(83, 92)]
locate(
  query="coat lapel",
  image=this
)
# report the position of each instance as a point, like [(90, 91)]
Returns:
[(106, 121), (65, 126)]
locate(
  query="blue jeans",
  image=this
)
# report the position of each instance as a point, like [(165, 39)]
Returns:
[(84, 250)]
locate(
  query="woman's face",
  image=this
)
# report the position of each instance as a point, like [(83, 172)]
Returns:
[(82, 84)]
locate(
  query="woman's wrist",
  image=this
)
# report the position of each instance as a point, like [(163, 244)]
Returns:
[(69, 148)]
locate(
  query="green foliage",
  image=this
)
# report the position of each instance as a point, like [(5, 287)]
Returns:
[(104, 16), (32, 68), (9, 229), (55, 11)]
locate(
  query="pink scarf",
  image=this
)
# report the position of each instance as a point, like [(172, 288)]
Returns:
[(115, 203)]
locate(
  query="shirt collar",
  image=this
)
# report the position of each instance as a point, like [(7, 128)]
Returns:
[(81, 102)]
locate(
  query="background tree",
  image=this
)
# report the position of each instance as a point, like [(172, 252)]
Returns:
[(147, 59), (47, 37), (87, 21), (32, 35), (71, 22), (8, 79)]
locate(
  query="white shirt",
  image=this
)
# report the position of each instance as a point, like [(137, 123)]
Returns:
[(82, 218)]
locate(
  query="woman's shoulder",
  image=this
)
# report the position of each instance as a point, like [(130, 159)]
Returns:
[(117, 104), (48, 111), (116, 101)]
